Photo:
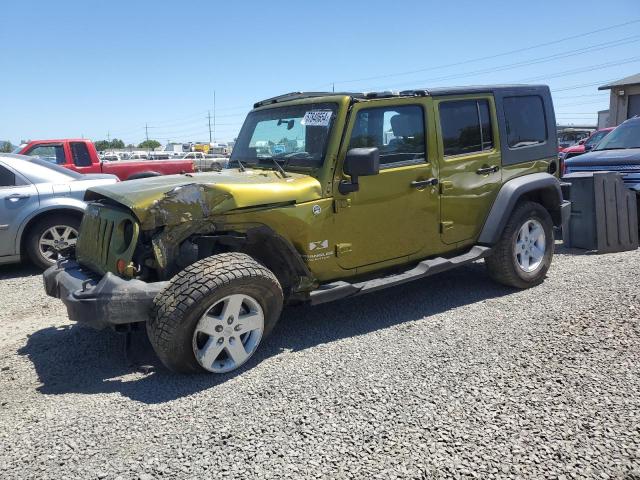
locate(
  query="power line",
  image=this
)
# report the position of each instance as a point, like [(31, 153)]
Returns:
[(585, 95), (489, 57), (583, 85), (590, 68), (525, 63)]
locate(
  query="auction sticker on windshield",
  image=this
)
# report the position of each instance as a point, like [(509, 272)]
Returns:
[(317, 118)]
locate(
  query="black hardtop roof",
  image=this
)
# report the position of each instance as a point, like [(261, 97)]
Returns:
[(438, 91)]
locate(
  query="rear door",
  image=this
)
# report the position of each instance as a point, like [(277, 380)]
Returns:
[(81, 158), (18, 200), (470, 164)]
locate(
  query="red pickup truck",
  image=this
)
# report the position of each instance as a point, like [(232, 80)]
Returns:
[(81, 156)]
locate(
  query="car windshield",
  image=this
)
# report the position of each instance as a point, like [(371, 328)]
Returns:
[(625, 136), (294, 135), (596, 137)]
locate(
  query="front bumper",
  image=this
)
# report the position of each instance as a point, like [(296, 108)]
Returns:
[(100, 303)]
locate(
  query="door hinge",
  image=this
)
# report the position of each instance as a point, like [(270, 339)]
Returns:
[(343, 249), (446, 185), (445, 226), (341, 204)]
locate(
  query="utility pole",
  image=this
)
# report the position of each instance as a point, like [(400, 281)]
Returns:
[(209, 119), (108, 138), (214, 116), (146, 131), (333, 87)]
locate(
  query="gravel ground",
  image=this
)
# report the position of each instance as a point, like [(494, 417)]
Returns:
[(449, 377)]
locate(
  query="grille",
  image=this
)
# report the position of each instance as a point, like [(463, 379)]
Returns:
[(604, 168), (101, 241)]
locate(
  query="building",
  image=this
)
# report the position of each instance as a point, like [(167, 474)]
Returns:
[(603, 119), (624, 99)]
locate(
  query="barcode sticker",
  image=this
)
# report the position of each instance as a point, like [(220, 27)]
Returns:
[(317, 118)]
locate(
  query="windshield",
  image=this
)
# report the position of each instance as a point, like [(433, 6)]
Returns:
[(596, 137), (296, 135), (626, 135)]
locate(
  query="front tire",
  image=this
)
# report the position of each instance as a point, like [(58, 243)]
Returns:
[(522, 256), (214, 314)]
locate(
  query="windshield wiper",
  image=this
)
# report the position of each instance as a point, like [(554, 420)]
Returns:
[(241, 167), (277, 165)]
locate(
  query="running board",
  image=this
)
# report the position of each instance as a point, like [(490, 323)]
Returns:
[(340, 289)]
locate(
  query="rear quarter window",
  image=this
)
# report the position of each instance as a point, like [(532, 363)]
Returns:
[(7, 177), (525, 121)]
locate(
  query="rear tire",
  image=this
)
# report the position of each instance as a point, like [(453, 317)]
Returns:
[(522, 256), (195, 327), (50, 234)]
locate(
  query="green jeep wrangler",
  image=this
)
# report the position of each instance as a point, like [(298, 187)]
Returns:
[(327, 196)]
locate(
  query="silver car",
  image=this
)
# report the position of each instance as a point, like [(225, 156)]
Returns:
[(41, 206)]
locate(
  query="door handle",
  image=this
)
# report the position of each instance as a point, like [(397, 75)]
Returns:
[(424, 183), (486, 170), (17, 196)]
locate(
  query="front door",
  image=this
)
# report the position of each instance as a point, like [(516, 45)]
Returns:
[(470, 174), (392, 215), (51, 152), (18, 200)]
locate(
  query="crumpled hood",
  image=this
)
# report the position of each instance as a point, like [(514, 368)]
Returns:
[(174, 199)]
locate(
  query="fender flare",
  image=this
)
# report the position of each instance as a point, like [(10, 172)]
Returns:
[(542, 187)]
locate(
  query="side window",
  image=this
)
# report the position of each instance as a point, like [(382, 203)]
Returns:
[(50, 153), (525, 121), (466, 126), (7, 177), (398, 132), (80, 154)]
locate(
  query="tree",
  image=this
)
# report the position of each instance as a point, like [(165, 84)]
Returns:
[(6, 147), (149, 144), (101, 145), (117, 143)]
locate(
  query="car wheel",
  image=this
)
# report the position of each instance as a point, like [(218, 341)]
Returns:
[(214, 314), (523, 254), (49, 236)]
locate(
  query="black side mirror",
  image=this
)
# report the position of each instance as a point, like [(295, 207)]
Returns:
[(588, 147), (359, 162)]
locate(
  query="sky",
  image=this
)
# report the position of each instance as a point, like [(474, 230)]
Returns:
[(108, 68)]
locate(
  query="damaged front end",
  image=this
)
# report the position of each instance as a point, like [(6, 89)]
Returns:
[(145, 245), (170, 214), (136, 235)]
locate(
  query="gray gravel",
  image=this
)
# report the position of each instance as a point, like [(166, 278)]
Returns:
[(449, 377)]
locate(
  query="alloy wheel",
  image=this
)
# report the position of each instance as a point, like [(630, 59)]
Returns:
[(530, 246), (228, 333), (55, 239)]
